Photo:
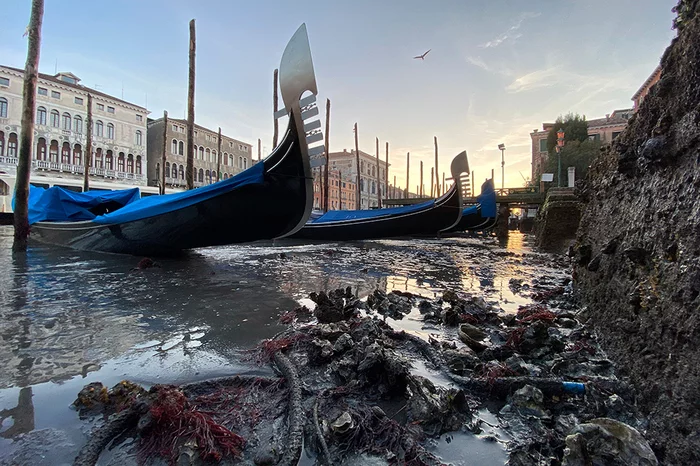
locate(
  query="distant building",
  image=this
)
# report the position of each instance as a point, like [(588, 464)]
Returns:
[(236, 156), (118, 136), (342, 191), (600, 129), (346, 163), (639, 96)]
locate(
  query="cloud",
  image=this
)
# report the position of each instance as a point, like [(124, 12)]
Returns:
[(511, 32), (536, 79), (480, 63)]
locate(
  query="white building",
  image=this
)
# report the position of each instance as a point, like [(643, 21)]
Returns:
[(118, 137)]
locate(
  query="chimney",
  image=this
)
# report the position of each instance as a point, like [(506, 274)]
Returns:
[(345, 151), (534, 130), (607, 117)]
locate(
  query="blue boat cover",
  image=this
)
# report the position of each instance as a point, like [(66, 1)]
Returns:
[(341, 215), (60, 205), (487, 199)]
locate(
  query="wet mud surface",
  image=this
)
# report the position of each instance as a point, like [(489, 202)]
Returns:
[(71, 318)]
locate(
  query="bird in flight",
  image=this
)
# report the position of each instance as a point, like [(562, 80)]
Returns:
[(422, 57)]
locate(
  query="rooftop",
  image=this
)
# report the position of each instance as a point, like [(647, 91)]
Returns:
[(68, 79)]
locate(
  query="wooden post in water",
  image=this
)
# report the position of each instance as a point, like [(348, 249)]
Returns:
[(328, 156), (161, 175), (379, 180), (218, 157), (358, 201), (87, 163), (340, 190), (393, 194), (275, 132), (432, 182), (408, 170), (31, 75), (386, 178), (444, 188), (259, 150), (420, 185), (437, 182), (189, 170)]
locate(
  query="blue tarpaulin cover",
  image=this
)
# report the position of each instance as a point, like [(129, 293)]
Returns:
[(60, 205), (341, 215), (487, 199)]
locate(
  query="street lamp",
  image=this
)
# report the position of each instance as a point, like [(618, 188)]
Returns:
[(560, 145), (502, 147)]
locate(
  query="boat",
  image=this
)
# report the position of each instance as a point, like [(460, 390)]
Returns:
[(481, 216), (428, 218), (270, 200)]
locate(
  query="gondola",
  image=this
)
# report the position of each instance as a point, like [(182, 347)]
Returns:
[(270, 200), (481, 216), (427, 218)]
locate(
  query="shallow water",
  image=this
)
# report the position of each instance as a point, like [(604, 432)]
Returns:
[(68, 318)]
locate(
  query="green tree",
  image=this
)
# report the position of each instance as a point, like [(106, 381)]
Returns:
[(575, 128), (574, 154)]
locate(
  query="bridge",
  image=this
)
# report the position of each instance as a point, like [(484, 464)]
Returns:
[(530, 195)]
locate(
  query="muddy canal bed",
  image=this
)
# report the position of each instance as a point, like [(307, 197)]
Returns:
[(71, 318)]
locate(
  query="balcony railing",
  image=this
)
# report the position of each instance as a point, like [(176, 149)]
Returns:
[(46, 165)]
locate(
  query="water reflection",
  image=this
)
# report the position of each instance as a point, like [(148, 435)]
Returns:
[(68, 318)]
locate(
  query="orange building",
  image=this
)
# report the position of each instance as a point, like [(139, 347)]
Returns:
[(639, 96), (342, 192)]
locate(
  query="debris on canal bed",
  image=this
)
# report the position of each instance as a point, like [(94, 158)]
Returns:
[(349, 388)]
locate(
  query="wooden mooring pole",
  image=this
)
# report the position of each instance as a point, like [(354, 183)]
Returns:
[(189, 169)]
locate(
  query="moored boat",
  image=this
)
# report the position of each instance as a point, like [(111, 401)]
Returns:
[(427, 218), (481, 216), (272, 199)]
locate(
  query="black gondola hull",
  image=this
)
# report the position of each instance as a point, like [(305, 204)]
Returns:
[(266, 210), (442, 215)]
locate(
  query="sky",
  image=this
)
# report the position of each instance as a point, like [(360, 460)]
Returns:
[(497, 69)]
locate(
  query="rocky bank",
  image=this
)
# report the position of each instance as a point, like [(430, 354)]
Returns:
[(638, 248)]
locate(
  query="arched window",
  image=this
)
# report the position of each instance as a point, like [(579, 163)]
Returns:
[(214, 157), (99, 128), (158, 171), (230, 159), (362, 184), (173, 148), (139, 138), (54, 118), (167, 169), (120, 162), (138, 164), (41, 116), (245, 163), (110, 131), (174, 175), (78, 124), (240, 162), (225, 158), (226, 176), (98, 162), (66, 121), (130, 163), (201, 153), (12, 145), (181, 148), (201, 175), (77, 155), (374, 187), (109, 160), (208, 157), (53, 151), (3, 107), (373, 173), (40, 149), (2, 143), (182, 172), (207, 176)]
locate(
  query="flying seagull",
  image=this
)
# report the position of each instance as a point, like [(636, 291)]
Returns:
[(422, 57)]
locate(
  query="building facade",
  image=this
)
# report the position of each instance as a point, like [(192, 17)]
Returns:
[(235, 156), (60, 134), (604, 130), (342, 192), (639, 96), (345, 162)]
